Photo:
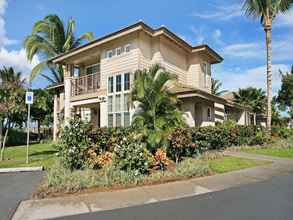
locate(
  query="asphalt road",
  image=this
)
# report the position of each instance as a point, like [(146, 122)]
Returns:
[(15, 187), (268, 200)]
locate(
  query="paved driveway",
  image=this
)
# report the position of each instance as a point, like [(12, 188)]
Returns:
[(15, 187), (272, 199)]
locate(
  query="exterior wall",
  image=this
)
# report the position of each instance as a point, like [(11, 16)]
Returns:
[(219, 112)]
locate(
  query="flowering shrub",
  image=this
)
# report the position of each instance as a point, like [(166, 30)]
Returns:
[(161, 159), (131, 155), (105, 159), (72, 143)]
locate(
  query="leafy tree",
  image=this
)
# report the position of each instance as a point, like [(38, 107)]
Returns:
[(285, 94), (266, 11), (49, 38), (157, 113), (42, 109), (251, 97), (216, 86), (11, 100)]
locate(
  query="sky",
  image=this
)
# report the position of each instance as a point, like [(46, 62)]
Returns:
[(220, 24)]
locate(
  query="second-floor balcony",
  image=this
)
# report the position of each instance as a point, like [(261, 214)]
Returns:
[(85, 84)]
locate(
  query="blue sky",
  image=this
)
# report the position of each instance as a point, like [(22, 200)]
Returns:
[(221, 24)]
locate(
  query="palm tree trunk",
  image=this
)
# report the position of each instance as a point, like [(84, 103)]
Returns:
[(268, 32)]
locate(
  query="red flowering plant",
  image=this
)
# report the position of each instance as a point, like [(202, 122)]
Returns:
[(161, 160)]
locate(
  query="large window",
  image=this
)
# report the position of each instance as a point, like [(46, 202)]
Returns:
[(206, 74), (118, 100), (93, 69)]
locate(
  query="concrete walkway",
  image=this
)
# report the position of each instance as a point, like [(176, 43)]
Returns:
[(86, 203)]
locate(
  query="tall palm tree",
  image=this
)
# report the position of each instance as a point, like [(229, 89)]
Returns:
[(216, 86), (267, 10), (251, 97), (157, 112), (49, 38)]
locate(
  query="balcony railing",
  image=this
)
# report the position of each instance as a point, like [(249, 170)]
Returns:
[(85, 84)]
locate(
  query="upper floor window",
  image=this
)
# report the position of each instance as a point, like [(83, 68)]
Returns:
[(126, 81), (93, 69), (118, 83), (118, 51), (206, 74), (111, 84)]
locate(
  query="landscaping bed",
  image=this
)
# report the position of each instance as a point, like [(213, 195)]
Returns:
[(62, 182)]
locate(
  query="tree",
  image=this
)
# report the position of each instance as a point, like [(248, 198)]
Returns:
[(11, 100), (267, 10), (285, 94), (251, 97), (157, 112), (216, 86), (49, 38), (42, 109)]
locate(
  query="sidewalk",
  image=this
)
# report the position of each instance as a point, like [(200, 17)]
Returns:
[(57, 207)]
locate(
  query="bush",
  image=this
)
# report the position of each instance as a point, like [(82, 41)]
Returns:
[(160, 159), (73, 142), (282, 132), (132, 155), (180, 140), (192, 168)]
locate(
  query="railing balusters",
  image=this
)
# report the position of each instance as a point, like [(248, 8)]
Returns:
[(85, 84)]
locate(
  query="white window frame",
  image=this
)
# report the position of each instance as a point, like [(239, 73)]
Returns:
[(89, 66), (205, 74), (122, 111), (108, 54), (127, 46), (119, 49)]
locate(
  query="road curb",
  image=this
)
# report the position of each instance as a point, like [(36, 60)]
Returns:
[(20, 169)]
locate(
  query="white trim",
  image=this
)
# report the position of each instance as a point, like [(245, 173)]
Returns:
[(84, 102)]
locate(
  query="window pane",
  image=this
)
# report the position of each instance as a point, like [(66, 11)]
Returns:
[(118, 51), (93, 69), (118, 83), (110, 120), (110, 103), (126, 119), (118, 119), (110, 84), (126, 103), (126, 81), (127, 48), (118, 103)]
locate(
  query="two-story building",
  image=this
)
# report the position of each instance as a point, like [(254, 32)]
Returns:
[(98, 77)]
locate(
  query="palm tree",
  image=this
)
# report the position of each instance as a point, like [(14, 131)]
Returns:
[(216, 85), (267, 10), (251, 97), (157, 112), (49, 38)]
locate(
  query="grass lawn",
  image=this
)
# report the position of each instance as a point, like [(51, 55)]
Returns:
[(39, 154), (275, 152), (227, 164)]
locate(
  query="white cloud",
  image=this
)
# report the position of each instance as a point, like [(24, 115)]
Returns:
[(255, 77), (244, 50), (199, 34), (17, 59), (12, 58), (221, 12)]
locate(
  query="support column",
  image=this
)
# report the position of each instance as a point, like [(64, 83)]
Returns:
[(68, 69), (55, 119), (103, 114)]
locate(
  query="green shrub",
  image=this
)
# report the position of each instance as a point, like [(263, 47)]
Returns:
[(73, 141), (192, 168), (282, 132), (132, 155), (16, 137)]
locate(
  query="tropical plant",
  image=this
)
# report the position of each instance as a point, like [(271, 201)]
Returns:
[(251, 97), (157, 114), (11, 101), (267, 10), (216, 88), (285, 94), (49, 38)]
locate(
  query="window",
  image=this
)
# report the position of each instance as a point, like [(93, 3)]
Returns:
[(206, 74), (126, 81), (118, 83), (127, 48), (118, 100), (117, 103), (209, 114), (126, 119), (76, 72), (110, 120), (111, 84), (110, 54), (93, 69), (118, 51), (110, 103)]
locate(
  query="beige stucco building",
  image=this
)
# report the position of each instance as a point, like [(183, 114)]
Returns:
[(98, 77)]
